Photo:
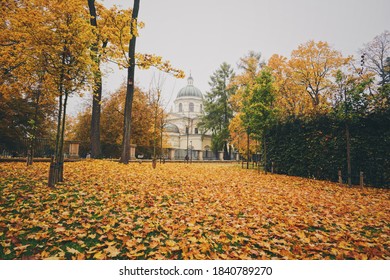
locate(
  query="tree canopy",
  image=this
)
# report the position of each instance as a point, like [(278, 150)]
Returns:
[(217, 109)]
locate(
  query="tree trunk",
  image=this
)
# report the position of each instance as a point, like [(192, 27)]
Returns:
[(129, 90), (61, 158), (97, 91), (347, 136), (161, 138), (225, 150), (30, 158), (95, 122), (56, 153), (265, 154), (155, 136), (54, 166), (53, 170), (247, 151)]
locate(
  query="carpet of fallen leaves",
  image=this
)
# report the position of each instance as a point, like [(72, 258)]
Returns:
[(107, 210)]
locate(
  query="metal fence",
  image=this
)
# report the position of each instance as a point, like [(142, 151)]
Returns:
[(43, 148)]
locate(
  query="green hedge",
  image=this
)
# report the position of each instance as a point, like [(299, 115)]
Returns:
[(316, 148)]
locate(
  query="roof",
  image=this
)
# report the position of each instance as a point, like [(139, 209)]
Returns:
[(190, 90), (169, 127)]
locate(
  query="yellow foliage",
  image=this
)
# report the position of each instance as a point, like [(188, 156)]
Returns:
[(107, 210), (291, 97)]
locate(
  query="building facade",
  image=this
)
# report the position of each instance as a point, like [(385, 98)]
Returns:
[(185, 135)]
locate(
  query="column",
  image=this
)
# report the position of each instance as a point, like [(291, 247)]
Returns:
[(200, 155), (74, 150), (132, 151), (171, 154)]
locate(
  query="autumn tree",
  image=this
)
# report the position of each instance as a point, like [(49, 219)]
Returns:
[(47, 48), (217, 109), (250, 65), (291, 98), (352, 100), (376, 56), (375, 59), (112, 30), (130, 60), (69, 62), (159, 115), (97, 89), (129, 86), (258, 110), (313, 64), (112, 120), (15, 39), (23, 67), (384, 91)]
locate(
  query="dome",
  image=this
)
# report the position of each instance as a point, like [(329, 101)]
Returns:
[(190, 90), (169, 127)]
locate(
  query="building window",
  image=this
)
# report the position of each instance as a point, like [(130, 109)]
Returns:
[(180, 107), (196, 130), (191, 107), (187, 130)]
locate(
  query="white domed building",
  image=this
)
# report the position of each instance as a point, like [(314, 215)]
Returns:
[(185, 135)]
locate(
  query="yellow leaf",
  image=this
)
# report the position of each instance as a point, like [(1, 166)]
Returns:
[(112, 251), (99, 256), (110, 236), (72, 250), (60, 229), (193, 239), (170, 243)]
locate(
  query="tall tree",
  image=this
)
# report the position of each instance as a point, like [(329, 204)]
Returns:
[(250, 66), (97, 89), (46, 47), (143, 61), (112, 121), (375, 56), (69, 62), (314, 64), (129, 87), (217, 109), (351, 101), (111, 28), (258, 110), (291, 98)]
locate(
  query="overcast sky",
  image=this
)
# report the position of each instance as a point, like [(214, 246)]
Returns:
[(199, 35)]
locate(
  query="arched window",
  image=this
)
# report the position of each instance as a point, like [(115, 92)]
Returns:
[(180, 107), (191, 107)]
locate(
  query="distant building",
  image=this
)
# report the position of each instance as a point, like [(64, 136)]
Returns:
[(185, 135)]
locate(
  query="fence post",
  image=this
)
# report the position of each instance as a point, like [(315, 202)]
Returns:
[(361, 178), (340, 177), (272, 167)]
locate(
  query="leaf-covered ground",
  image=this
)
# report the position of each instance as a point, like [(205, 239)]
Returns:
[(106, 210)]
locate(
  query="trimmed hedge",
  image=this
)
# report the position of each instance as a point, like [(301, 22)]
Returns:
[(316, 148)]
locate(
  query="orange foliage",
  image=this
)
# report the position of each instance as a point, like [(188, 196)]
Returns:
[(112, 119), (106, 210)]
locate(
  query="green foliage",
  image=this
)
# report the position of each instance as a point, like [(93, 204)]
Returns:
[(17, 123), (316, 148), (258, 110), (217, 110), (353, 95)]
